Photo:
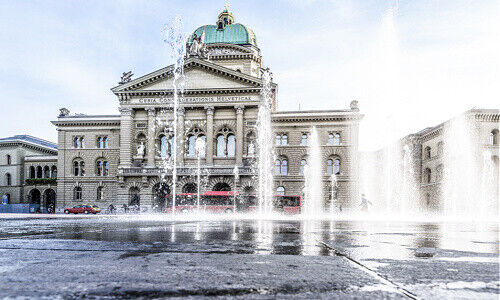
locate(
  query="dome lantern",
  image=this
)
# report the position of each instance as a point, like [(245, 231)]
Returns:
[(225, 18)]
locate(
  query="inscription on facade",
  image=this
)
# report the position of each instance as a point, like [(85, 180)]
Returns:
[(169, 100)]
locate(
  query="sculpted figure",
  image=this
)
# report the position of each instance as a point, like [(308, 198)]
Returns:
[(140, 150), (251, 149)]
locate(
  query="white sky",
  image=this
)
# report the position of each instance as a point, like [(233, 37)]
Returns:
[(431, 60)]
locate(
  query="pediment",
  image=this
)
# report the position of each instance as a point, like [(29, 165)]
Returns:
[(199, 74), (197, 78)]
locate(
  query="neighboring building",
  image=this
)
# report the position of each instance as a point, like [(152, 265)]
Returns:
[(119, 159), (28, 170), (451, 168)]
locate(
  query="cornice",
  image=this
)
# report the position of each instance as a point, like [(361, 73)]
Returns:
[(29, 146), (125, 95)]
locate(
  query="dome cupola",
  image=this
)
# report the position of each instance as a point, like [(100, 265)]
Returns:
[(226, 31)]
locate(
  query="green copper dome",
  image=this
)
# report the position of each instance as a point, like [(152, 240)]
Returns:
[(237, 34)]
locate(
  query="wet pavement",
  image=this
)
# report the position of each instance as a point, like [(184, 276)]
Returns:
[(156, 257)]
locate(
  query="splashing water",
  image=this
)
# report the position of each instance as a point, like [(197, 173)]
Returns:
[(176, 41), (265, 146), (313, 202)]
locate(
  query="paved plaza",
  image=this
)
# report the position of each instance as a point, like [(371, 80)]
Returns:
[(96, 257)]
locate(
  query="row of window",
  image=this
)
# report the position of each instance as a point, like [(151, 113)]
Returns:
[(333, 139), (492, 141), (102, 142), (281, 166), (78, 192), (45, 172), (101, 167)]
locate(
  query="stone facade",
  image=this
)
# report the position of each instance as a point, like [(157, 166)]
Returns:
[(452, 167), (220, 102), (18, 156)]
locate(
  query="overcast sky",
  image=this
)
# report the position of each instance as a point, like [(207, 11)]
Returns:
[(410, 65)]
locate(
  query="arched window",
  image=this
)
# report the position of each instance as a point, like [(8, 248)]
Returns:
[(190, 188), (280, 191), (336, 139), (102, 168), (78, 142), (77, 193), (281, 139), (39, 172), (135, 198), (329, 167), (333, 166), (8, 179), (278, 140), (221, 145), (222, 187), (53, 173), (78, 167), (9, 159), (303, 164), (46, 172), (100, 193), (105, 142), (8, 198), (191, 146), (303, 141), (427, 152), (231, 145), (201, 145), (226, 143), (330, 139), (428, 199), (281, 166), (494, 137), (99, 142), (32, 172), (427, 175)]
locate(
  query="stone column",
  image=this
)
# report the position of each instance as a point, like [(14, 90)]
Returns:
[(209, 149), (239, 134), (181, 113), (151, 137), (127, 115)]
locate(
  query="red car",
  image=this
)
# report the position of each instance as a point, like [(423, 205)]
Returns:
[(83, 209)]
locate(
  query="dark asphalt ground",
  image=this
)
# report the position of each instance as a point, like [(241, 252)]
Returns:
[(157, 257)]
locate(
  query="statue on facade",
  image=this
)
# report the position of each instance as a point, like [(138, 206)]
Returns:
[(251, 149), (126, 77), (197, 47), (140, 150), (63, 112)]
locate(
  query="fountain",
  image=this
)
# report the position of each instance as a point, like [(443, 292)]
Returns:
[(177, 43), (200, 151), (313, 202), (265, 149), (334, 186)]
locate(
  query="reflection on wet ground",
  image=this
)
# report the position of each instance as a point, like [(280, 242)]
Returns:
[(358, 239), (393, 250)]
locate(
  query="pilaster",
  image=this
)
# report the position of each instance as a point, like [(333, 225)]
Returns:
[(210, 135)]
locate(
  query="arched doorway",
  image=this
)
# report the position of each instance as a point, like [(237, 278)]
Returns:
[(160, 192), (222, 187), (50, 200), (190, 188), (35, 196), (134, 197)]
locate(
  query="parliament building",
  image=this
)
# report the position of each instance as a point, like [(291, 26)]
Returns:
[(124, 158)]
